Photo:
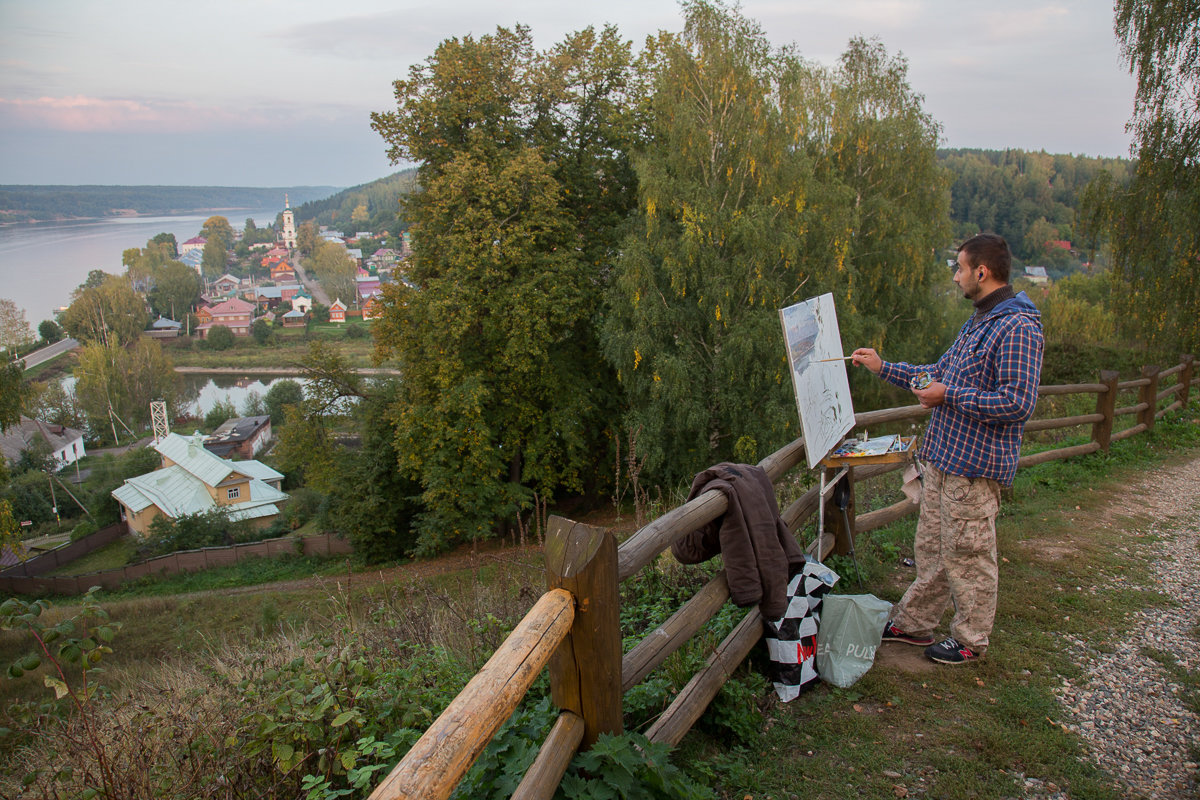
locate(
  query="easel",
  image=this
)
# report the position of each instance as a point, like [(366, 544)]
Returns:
[(837, 479)]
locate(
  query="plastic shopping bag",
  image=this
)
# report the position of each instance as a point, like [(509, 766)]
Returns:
[(850, 632)]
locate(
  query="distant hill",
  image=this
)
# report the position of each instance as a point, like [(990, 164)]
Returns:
[(38, 203), (373, 206)]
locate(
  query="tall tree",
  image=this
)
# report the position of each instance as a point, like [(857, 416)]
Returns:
[(14, 328), (217, 227), (496, 403), (123, 380), (719, 244), (13, 393), (335, 269), (176, 289), (1151, 221), (111, 313)]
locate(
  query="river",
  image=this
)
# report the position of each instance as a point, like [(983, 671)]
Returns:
[(41, 263), (201, 393)]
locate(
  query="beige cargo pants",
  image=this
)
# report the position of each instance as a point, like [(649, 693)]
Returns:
[(956, 559)]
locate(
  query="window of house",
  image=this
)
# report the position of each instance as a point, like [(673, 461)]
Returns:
[(233, 493)]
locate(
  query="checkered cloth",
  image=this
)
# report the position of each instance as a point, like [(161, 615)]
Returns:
[(792, 639)]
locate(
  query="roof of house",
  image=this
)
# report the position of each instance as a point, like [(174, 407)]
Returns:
[(197, 240), (17, 438), (181, 488), (162, 323), (192, 257), (337, 304), (227, 277), (237, 430), (1037, 272), (233, 305), (294, 314)]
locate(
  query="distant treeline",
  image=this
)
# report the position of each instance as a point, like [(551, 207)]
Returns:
[(36, 203)]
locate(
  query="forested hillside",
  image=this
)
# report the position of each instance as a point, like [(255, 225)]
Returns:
[(373, 206), (1031, 199), (37, 203)]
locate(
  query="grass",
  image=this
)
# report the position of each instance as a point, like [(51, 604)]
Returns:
[(287, 347), (113, 555), (939, 733)]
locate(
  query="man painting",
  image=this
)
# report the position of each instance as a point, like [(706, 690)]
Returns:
[(983, 390)]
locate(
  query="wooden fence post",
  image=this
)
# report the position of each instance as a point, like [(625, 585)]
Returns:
[(585, 671), (835, 521), (1185, 377), (1149, 395), (1106, 404)]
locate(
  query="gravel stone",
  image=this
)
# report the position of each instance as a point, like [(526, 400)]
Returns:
[(1128, 707)]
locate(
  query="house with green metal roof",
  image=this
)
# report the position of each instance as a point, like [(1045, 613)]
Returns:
[(192, 479)]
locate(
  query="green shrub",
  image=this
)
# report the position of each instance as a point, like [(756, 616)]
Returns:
[(355, 331), (219, 338), (84, 528)]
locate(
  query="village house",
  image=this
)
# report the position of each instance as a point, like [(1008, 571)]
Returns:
[(282, 272), (372, 307), (234, 313), (365, 286), (66, 444), (295, 319), (163, 328), (337, 311), (226, 285), (302, 301), (195, 243), (241, 436), (193, 480)]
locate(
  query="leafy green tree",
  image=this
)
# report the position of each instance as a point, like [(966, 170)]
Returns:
[(167, 241), (254, 405), (54, 403), (10, 531), (123, 380), (219, 337), (335, 269), (176, 289), (112, 313), (218, 227), (497, 403), (215, 258), (261, 331), (221, 411), (49, 331), (307, 238), (282, 394), (14, 329), (718, 245), (13, 393), (1151, 221)]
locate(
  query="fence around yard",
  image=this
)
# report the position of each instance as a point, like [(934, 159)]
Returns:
[(30, 577), (574, 628)]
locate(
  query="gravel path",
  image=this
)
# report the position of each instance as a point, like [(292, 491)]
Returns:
[(1128, 707)]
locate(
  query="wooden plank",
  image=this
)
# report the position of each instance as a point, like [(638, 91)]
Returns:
[(1062, 422), (1167, 392), (1185, 377), (1166, 373), (440, 758), (585, 673), (695, 697), (1136, 383), (545, 773), (664, 640), (1054, 455), (645, 545)]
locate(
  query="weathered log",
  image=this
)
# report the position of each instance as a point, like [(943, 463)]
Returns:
[(585, 672), (691, 701), (437, 762), (1167, 392), (800, 509), (1054, 455), (1127, 410), (645, 545), (868, 418), (885, 516), (1071, 388), (1135, 383), (545, 773), (1125, 434), (1062, 422), (657, 645), (778, 463)]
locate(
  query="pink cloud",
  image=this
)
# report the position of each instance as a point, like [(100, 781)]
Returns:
[(80, 113)]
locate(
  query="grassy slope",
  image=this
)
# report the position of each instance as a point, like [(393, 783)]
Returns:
[(935, 732)]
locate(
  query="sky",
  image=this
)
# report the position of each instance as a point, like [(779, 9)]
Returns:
[(279, 92)]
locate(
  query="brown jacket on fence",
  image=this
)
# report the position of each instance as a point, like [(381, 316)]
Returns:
[(759, 550)]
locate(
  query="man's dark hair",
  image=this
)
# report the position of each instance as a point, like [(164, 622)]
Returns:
[(990, 250)]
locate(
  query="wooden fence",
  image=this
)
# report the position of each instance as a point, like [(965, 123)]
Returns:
[(30, 578), (574, 628)]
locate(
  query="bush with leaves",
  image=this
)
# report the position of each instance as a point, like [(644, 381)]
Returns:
[(211, 528), (355, 331), (282, 393), (219, 338), (261, 331), (221, 411)]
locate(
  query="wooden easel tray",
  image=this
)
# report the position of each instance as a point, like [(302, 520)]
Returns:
[(896, 456)]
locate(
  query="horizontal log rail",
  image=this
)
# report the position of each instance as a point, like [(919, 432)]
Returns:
[(441, 757), (1135, 383), (1134, 409), (1061, 422), (1141, 427), (1071, 388)]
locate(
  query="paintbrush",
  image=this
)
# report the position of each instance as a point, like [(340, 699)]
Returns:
[(823, 360)]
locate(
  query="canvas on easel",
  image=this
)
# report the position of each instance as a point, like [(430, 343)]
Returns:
[(814, 347)]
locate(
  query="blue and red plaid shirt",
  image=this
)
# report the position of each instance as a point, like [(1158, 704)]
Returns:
[(991, 374)]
